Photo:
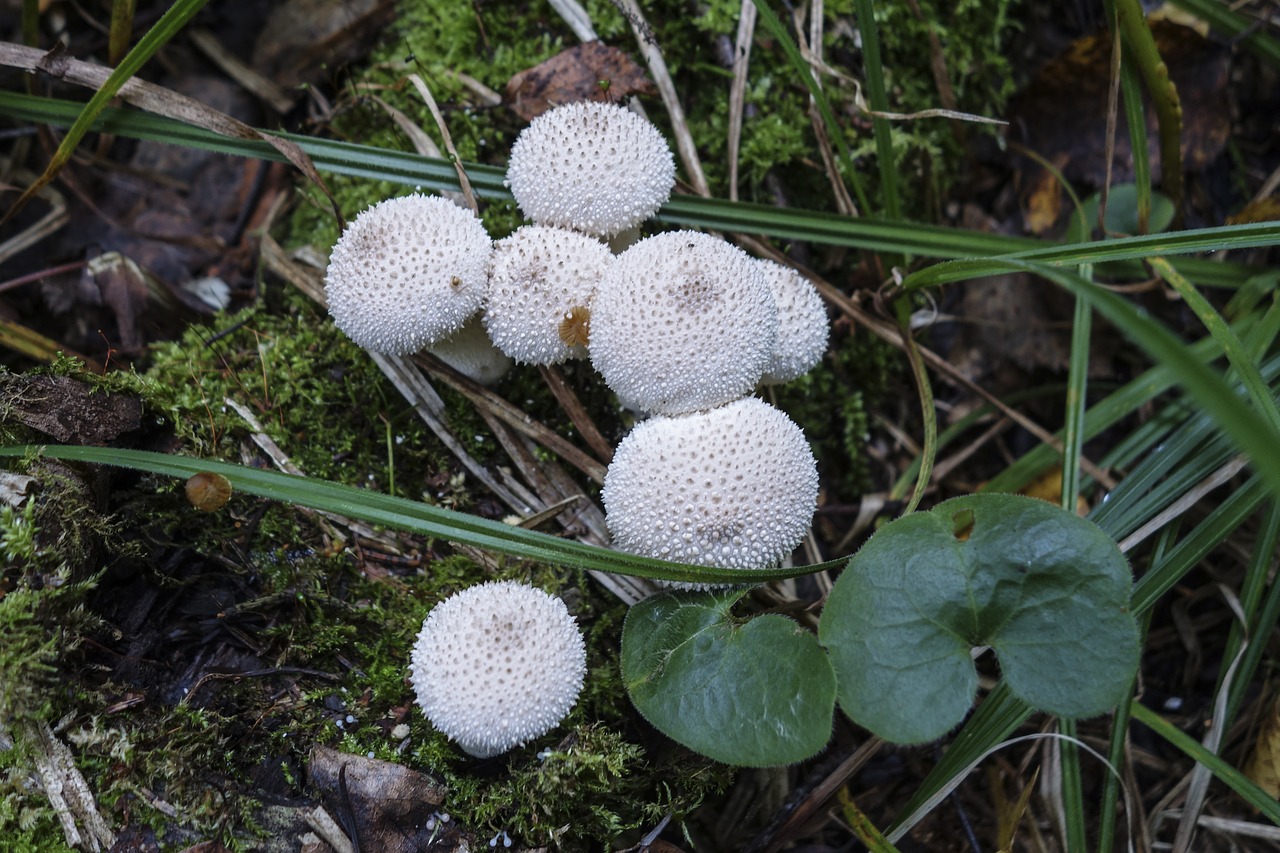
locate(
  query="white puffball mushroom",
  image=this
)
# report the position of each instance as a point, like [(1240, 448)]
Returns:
[(682, 321), (496, 665), (802, 324), (407, 273), (597, 168), (541, 284), (734, 487), (470, 352)]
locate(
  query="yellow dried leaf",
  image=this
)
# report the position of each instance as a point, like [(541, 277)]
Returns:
[(1263, 210), (1263, 766), (1048, 487)]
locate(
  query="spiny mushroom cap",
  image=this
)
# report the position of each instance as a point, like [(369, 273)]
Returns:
[(496, 665), (735, 487), (407, 273), (469, 351), (802, 324), (593, 167), (540, 280), (682, 321)]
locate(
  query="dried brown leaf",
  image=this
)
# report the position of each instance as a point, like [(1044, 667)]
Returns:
[(593, 71), (68, 410), (384, 805)]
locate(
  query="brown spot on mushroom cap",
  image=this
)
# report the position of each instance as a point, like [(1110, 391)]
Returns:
[(496, 665), (537, 277), (575, 328)]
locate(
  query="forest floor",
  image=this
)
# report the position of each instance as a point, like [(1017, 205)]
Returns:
[(181, 674)]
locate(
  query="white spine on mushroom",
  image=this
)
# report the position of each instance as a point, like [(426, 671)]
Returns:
[(407, 273), (802, 324), (682, 321), (542, 281), (735, 486), (496, 665), (597, 168), (470, 352)]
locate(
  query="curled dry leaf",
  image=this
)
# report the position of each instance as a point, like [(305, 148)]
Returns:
[(593, 71), (390, 807)]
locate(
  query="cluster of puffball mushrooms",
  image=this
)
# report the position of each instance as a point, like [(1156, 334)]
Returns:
[(682, 326)]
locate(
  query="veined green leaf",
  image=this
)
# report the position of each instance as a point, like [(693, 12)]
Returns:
[(758, 693), (1046, 589)]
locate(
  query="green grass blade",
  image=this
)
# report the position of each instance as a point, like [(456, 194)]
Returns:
[(121, 30), (1222, 18), (1241, 503), (438, 175), (414, 516), (874, 74), (1073, 428), (1072, 450), (1136, 118), (1253, 434), (1072, 785), (769, 20), (1223, 237), (1228, 775), (1106, 413), (1237, 354), (1260, 614), (1115, 757), (1179, 447), (1142, 52)]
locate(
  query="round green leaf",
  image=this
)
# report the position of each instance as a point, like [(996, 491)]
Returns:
[(1047, 590), (756, 694), (1122, 213)]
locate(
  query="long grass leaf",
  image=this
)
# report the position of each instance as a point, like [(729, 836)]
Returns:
[(873, 73), (1241, 503), (1263, 619), (1222, 17), (1228, 775), (1253, 434), (414, 516), (1246, 236), (437, 175), (1260, 614), (1237, 354)]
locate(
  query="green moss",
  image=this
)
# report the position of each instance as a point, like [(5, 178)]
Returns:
[(316, 394), (580, 786)]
